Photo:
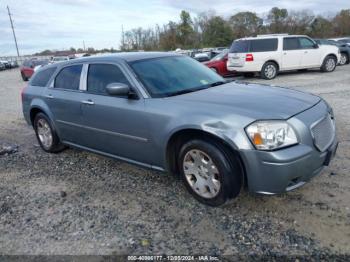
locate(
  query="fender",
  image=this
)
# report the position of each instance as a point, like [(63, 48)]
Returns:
[(42, 106)]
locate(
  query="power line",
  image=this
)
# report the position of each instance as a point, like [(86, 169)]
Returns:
[(13, 30)]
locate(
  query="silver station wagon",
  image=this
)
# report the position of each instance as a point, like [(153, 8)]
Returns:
[(170, 113)]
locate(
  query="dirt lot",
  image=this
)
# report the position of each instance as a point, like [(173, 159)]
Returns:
[(80, 203)]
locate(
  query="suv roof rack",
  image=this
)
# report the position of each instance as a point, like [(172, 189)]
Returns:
[(272, 35)]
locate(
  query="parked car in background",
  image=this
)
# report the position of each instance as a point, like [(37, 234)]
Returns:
[(27, 68), (344, 49), (6, 64), (219, 63), (201, 57), (167, 112), (270, 54), (2, 66), (57, 59), (344, 40), (14, 64)]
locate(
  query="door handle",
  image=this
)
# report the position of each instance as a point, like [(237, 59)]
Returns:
[(49, 96), (87, 102), (284, 53), (305, 52)]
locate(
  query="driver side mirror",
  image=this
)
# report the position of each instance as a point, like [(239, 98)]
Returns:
[(316, 45), (121, 89)]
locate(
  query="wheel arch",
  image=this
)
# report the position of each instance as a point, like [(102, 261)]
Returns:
[(178, 138), (272, 61)]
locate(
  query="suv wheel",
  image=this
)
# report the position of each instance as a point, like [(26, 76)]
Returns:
[(46, 134), (344, 59), (207, 172), (329, 64), (269, 70)]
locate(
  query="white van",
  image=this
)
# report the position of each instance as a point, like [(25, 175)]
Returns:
[(270, 54)]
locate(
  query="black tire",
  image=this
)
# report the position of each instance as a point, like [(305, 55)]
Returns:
[(344, 59), (229, 171), (24, 77), (325, 68), (55, 146), (269, 70)]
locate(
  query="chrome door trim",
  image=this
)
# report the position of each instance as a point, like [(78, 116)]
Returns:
[(141, 139)]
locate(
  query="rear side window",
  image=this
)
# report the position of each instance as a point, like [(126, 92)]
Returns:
[(263, 45), (69, 77), (290, 43), (42, 77), (101, 75), (240, 46)]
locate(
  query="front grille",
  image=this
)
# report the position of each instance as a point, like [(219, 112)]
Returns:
[(323, 132)]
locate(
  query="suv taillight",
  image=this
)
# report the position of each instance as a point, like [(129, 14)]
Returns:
[(249, 58)]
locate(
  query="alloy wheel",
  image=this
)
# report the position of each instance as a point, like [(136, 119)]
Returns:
[(330, 64), (44, 133), (270, 71)]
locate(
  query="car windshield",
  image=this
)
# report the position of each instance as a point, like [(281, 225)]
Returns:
[(220, 56), (174, 75), (60, 59), (346, 40)]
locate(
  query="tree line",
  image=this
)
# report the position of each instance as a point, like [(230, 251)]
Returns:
[(210, 30)]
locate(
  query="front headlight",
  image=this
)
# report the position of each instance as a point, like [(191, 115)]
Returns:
[(272, 134)]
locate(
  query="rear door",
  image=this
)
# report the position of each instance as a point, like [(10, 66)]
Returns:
[(311, 53), (112, 124), (291, 54), (63, 98)]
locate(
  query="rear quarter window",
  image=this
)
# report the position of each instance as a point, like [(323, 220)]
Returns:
[(42, 77), (240, 46), (263, 45)]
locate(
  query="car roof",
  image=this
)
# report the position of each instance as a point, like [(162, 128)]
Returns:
[(270, 36)]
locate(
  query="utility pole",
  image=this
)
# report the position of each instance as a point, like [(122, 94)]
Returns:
[(84, 45), (123, 40), (13, 30)]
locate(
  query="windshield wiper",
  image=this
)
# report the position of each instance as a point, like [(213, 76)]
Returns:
[(218, 83), (181, 92)]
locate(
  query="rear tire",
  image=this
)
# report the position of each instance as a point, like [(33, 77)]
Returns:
[(24, 77), (269, 70), (208, 174), (329, 64), (46, 134), (344, 59)]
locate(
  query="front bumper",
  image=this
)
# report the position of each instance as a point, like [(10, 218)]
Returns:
[(284, 170), (273, 172)]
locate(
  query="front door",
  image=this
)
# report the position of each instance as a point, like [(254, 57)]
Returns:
[(114, 125), (311, 53), (291, 54)]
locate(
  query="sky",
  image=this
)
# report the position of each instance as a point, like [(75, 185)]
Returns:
[(61, 24)]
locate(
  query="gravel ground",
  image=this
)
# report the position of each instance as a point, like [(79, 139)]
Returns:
[(81, 203)]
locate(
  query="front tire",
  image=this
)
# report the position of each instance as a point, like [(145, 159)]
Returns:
[(208, 174), (329, 64), (269, 70), (46, 134)]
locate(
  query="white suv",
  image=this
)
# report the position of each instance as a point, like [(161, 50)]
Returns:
[(269, 54)]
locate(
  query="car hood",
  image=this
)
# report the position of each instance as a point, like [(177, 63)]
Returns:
[(252, 100)]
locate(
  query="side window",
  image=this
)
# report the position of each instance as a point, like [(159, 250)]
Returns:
[(306, 43), (290, 43), (69, 77), (100, 75), (42, 77), (264, 45)]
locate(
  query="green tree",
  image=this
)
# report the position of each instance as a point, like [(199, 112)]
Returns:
[(185, 30), (277, 18), (245, 24), (321, 27), (217, 32), (342, 23)]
